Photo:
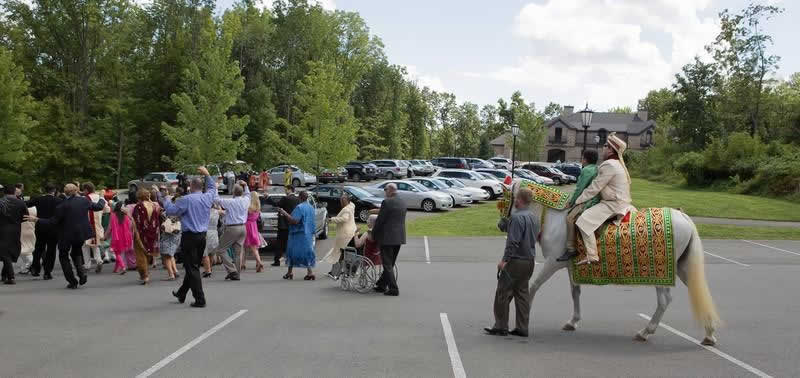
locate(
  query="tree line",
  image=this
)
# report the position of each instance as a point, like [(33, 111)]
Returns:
[(107, 90), (726, 121)]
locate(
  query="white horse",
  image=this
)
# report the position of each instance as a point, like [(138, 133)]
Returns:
[(689, 268)]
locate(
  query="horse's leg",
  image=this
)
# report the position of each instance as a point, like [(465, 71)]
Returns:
[(550, 267), (576, 308), (664, 298)]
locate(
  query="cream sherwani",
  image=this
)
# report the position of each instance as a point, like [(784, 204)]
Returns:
[(615, 194), (345, 229)]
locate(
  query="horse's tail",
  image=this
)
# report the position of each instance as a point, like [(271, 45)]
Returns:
[(705, 312)]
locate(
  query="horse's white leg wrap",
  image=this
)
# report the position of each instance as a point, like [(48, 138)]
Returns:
[(663, 298)]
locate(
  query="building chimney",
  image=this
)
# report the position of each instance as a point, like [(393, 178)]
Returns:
[(642, 115), (568, 109)]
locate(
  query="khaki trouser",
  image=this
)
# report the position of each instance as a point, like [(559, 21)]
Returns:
[(231, 236), (143, 260), (572, 216), (516, 288)]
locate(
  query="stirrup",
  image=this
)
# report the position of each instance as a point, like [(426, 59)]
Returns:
[(587, 261)]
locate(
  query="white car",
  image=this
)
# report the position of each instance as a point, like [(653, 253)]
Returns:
[(473, 179), (477, 194), (501, 163), (529, 175), (460, 197), (414, 195)]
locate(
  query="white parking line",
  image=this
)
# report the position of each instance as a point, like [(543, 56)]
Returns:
[(712, 349), (427, 251), (190, 345), (455, 359), (766, 246), (726, 259)]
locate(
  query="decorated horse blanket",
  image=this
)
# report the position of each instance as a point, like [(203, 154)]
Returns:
[(545, 195), (637, 252)]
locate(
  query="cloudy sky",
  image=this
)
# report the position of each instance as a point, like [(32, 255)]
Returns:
[(606, 52)]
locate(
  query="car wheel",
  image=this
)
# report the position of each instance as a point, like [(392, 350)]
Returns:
[(363, 215), (410, 174), (428, 205), (489, 192), (356, 177), (132, 191), (324, 234), (557, 181), (389, 175), (296, 183), (454, 200)]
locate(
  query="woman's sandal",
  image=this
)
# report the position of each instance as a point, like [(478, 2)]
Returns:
[(288, 276), (310, 277), (259, 268)]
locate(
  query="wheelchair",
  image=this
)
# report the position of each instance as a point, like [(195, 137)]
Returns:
[(358, 272)]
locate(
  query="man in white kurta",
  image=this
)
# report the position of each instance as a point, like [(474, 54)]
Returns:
[(614, 186)]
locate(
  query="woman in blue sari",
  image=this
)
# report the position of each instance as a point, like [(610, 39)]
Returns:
[(300, 249)]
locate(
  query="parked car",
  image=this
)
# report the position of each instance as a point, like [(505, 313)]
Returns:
[(460, 197), (391, 169), (332, 175), (569, 178), (492, 177), (529, 175), (503, 175), (543, 171), (473, 179), (476, 193), (268, 227), (363, 200), (357, 171), (450, 163), (421, 168), (478, 163), (501, 163), (414, 195), (299, 177), (571, 169), (170, 179)]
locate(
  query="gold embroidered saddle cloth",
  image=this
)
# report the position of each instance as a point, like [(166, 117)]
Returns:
[(545, 195), (637, 252)]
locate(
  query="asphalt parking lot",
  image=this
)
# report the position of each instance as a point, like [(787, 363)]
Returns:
[(266, 326)]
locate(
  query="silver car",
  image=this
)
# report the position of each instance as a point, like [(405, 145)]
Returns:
[(460, 197), (268, 227), (299, 176), (476, 193), (414, 195), (168, 179), (473, 179), (391, 169)]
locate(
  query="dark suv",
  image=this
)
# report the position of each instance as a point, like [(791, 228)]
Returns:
[(558, 178), (358, 171), (451, 163)]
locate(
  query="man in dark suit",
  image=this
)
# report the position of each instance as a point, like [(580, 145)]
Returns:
[(46, 236), (390, 233), (71, 221), (12, 212), (287, 203)]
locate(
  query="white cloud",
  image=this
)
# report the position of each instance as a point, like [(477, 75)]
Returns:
[(326, 4), (431, 81), (597, 50)]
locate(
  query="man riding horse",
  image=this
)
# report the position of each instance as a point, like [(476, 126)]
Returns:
[(613, 185)]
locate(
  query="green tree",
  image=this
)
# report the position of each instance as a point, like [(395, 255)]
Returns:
[(16, 106), (621, 110), (695, 103), (327, 128), (203, 132), (418, 113), (466, 130), (657, 103)]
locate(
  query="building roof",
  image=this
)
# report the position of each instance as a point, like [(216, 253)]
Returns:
[(501, 140), (612, 122)]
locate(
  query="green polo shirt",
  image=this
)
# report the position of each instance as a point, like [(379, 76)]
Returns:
[(588, 173)]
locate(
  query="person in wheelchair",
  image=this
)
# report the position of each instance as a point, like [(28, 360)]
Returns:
[(366, 244)]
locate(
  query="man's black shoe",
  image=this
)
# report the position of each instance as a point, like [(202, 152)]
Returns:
[(72, 286), (392, 293), (198, 304), (568, 255), (379, 289), (47, 276), (180, 298), (10, 281), (34, 273), (496, 332), (206, 274), (233, 277), (519, 333), (83, 279), (276, 263)]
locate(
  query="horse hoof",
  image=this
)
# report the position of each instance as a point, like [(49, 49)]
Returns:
[(568, 327), (709, 341), (639, 338)]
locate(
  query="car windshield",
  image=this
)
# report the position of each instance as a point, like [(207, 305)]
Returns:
[(358, 192), (419, 186), (457, 183), (438, 185), (488, 176), (171, 176)]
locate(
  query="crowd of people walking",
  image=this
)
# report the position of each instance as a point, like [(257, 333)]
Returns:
[(193, 227)]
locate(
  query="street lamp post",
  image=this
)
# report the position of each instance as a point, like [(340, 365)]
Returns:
[(586, 121), (514, 133)]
